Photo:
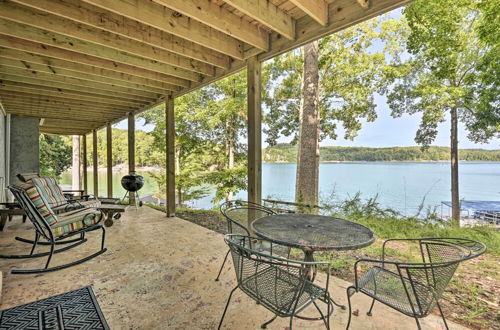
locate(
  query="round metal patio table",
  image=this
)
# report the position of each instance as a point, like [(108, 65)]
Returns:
[(310, 233)]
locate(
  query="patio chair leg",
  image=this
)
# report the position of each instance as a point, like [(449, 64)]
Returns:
[(349, 306), (369, 313), (442, 315), (50, 255), (291, 322), (35, 242), (322, 315), (222, 266), (42, 254), (418, 324), (225, 309), (264, 325)]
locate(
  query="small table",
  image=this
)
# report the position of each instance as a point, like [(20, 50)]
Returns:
[(112, 211), (7, 210), (310, 232)]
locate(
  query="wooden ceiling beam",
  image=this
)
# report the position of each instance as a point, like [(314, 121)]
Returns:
[(23, 64), (56, 131), (174, 64), (54, 105), (66, 93), (317, 9), (73, 83), (81, 12), (169, 21), (26, 32), (50, 83), (71, 56), (52, 113), (219, 18), (84, 68), (59, 119), (266, 13), (58, 100)]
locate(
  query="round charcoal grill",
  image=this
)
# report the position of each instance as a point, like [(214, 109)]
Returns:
[(132, 183)]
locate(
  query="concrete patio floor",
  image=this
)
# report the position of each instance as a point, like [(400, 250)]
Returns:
[(158, 273)]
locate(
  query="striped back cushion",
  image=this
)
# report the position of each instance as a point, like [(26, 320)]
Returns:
[(38, 201), (49, 189)]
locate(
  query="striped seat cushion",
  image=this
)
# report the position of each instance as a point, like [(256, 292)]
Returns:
[(77, 205), (39, 201), (72, 221), (50, 190)]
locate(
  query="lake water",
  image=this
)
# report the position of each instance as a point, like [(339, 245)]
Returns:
[(399, 185)]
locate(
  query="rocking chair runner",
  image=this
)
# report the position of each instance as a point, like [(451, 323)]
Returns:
[(413, 288), (54, 230)]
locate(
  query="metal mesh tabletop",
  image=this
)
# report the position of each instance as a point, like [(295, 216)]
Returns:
[(313, 232)]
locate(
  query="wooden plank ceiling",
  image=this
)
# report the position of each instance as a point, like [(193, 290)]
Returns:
[(80, 64)]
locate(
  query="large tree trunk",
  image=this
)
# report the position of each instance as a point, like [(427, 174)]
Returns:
[(455, 199), (306, 187), (75, 168)]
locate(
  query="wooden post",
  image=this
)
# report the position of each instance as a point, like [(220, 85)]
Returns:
[(109, 158), (75, 164), (94, 162), (254, 134), (131, 150), (84, 164), (170, 147)]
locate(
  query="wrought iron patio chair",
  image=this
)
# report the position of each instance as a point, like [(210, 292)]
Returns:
[(237, 213), (413, 288), (280, 285), (52, 230)]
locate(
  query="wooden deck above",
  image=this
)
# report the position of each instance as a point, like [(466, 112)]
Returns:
[(81, 64)]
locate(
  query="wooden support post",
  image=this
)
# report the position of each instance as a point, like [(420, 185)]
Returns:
[(94, 163), (84, 164), (75, 161), (254, 134), (170, 147), (131, 150), (109, 158)]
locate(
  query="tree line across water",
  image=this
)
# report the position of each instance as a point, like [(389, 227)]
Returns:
[(287, 153)]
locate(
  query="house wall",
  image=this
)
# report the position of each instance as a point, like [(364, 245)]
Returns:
[(24, 146)]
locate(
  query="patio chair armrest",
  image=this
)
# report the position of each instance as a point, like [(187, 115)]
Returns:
[(369, 261), (396, 240)]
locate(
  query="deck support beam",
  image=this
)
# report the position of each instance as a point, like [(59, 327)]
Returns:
[(84, 164), (109, 158), (254, 133), (94, 163), (170, 151), (131, 150)]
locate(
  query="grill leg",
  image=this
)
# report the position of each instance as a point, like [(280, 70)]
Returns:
[(225, 309), (264, 325), (222, 266)]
